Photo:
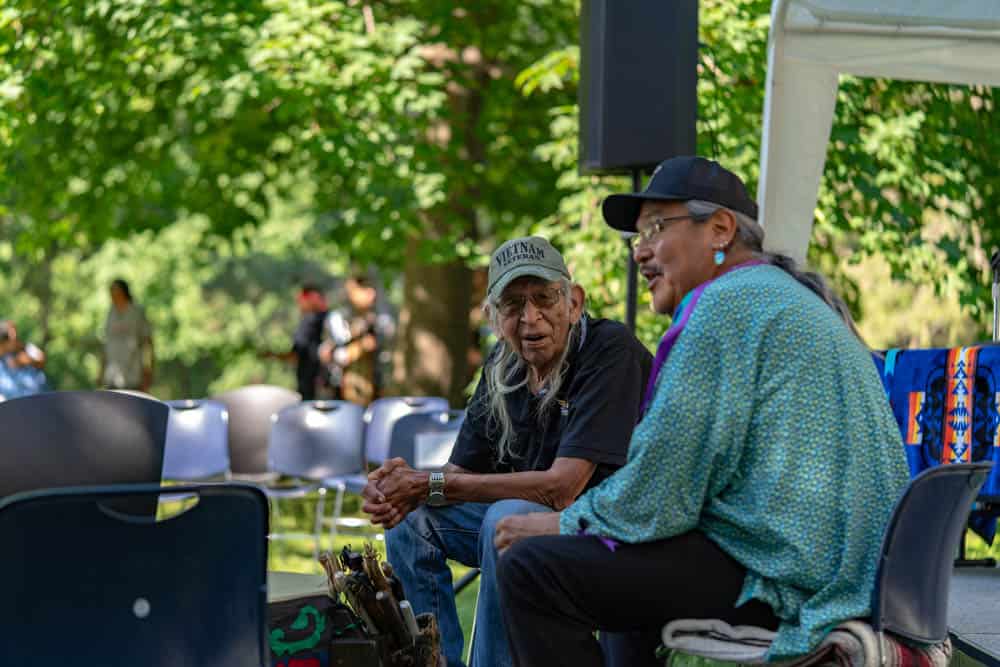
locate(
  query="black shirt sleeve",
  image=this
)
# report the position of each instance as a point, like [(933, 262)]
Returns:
[(472, 449), (604, 396)]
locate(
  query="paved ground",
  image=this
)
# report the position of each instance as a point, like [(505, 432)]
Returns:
[(974, 612)]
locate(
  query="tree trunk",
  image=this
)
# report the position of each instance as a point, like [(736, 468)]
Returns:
[(432, 351), (434, 335)]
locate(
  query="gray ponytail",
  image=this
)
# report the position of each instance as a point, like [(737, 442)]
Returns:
[(751, 235)]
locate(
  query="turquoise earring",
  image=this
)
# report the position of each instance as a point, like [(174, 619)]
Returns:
[(719, 257)]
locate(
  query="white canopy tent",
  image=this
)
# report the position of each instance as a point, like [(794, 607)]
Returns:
[(812, 42)]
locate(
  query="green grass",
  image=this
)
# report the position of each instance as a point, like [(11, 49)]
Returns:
[(976, 548)]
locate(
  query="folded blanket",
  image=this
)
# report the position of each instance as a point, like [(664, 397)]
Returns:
[(850, 644)]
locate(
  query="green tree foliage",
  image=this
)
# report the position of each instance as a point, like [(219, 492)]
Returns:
[(213, 152), (120, 116), (479, 153), (909, 178), (400, 120), (214, 302), (907, 181), (120, 119)]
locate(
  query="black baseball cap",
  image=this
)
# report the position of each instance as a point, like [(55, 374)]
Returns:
[(681, 179)]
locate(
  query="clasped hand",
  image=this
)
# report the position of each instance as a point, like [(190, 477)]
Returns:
[(393, 491)]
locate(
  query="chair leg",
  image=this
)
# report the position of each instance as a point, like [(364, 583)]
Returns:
[(318, 523), (472, 637), (275, 504), (462, 584), (338, 504)]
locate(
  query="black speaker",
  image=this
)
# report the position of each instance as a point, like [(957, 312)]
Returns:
[(638, 83)]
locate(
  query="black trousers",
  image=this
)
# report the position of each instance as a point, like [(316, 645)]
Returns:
[(556, 590)]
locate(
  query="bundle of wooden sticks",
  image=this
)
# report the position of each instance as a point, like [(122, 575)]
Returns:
[(371, 589)]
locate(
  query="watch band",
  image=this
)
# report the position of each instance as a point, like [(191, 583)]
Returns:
[(437, 482), (435, 490)]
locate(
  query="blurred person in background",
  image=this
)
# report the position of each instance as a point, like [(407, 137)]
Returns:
[(311, 378), (21, 365), (352, 350), (127, 357)]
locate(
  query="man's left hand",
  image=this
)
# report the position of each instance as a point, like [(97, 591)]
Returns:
[(514, 528)]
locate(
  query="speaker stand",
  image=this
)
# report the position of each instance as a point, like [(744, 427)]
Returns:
[(631, 296)]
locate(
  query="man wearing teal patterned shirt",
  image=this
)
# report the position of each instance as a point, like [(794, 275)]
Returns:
[(762, 474)]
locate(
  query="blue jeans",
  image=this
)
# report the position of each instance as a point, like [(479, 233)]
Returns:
[(418, 548)]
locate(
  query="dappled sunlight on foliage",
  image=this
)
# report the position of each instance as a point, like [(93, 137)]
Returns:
[(215, 153)]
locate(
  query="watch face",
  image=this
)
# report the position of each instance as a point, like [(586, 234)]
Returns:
[(435, 499)]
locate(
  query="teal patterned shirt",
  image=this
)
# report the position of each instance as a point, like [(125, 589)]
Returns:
[(769, 431)]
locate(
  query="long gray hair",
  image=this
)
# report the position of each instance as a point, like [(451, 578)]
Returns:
[(751, 235), (506, 366)]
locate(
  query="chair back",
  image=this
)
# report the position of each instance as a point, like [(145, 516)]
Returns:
[(317, 440), (131, 590), (910, 598), (382, 415), (425, 439), (250, 409), (80, 438), (197, 440)]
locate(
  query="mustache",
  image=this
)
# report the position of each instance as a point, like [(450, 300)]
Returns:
[(649, 272)]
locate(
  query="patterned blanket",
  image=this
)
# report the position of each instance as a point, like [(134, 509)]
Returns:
[(850, 644), (947, 405)]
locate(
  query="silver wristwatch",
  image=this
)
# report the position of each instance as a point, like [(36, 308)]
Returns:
[(435, 492)]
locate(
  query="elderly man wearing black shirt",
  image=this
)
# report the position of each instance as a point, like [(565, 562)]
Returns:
[(551, 417)]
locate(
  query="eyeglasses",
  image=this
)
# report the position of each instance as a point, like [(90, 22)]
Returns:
[(513, 304), (650, 227)]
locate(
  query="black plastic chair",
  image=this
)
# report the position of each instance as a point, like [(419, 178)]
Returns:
[(250, 409), (85, 584), (425, 439), (318, 444), (81, 438), (197, 441), (914, 574)]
